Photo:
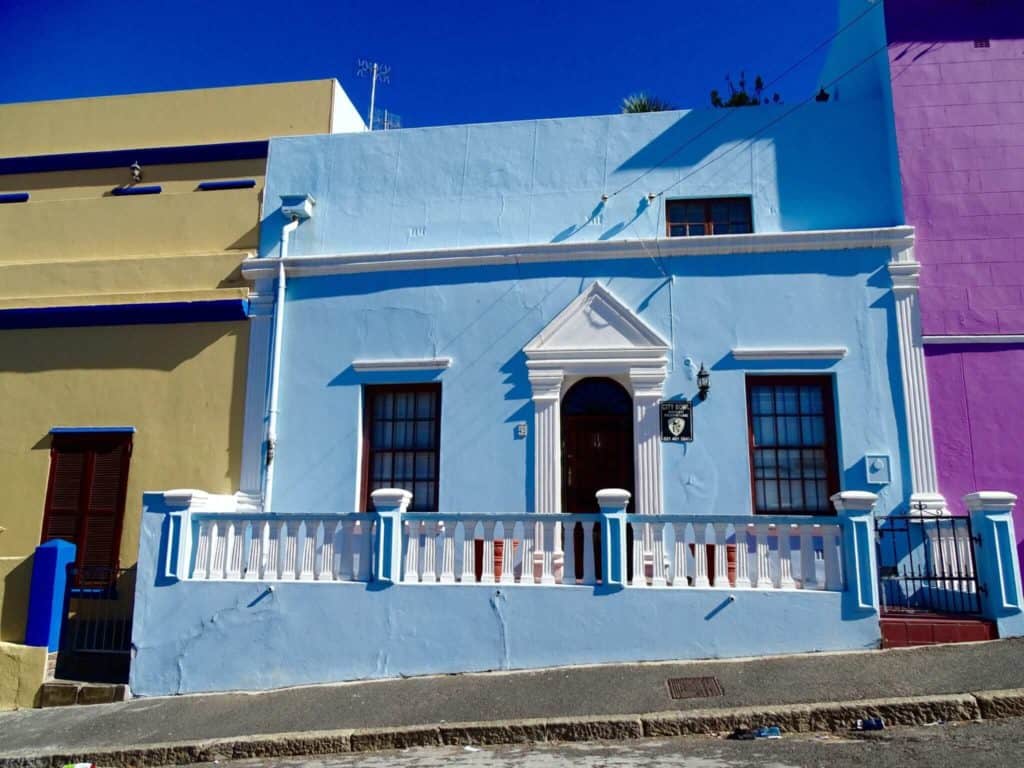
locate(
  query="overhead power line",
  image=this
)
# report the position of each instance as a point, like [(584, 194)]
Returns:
[(729, 112)]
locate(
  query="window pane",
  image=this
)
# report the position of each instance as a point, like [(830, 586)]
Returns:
[(794, 476), (425, 405), (403, 442), (696, 229)]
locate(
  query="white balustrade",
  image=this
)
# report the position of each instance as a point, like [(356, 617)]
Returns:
[(687, 551)]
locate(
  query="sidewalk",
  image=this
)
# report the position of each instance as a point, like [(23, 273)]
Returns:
[(42, 737)]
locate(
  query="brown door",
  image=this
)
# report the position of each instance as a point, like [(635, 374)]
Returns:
[(597, 451)]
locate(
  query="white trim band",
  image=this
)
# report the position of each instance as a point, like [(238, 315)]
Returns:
[(1008, 338), (897, 238), (789, 353), (418, 364)]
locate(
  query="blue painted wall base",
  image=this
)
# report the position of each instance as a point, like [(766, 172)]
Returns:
[(46, 598), (199, 636)]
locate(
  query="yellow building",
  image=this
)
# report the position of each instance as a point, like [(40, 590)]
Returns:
[(123, 316)]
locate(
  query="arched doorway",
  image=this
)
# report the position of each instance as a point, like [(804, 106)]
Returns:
[(597, 451)]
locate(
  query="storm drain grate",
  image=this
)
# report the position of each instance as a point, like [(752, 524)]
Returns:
[(694, 687)]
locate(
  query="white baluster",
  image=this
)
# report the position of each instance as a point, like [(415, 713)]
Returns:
[(290, 568), (468, 552), (833, 578), (786, 557), (253, 551), (448, 553), (202, 565), (321, 566), (305, 570), (410, 550), (346, 566), (547, 574), (215, 546), (236, 550), (679, 555), (272, 570), (569, 561), (639, 575), (808, 571), (508, 552), (589, 566), (526, 571), (763, 557), (267, 571), (700, 556), (721, 531), (658, 555), (742, 556), (429, 551), (365, 548), (487, 564)]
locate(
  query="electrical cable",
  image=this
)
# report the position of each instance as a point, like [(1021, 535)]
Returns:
[(729, 113), (747, 141)]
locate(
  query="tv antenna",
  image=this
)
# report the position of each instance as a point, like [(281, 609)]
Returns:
[(387, 121), (375, 71)]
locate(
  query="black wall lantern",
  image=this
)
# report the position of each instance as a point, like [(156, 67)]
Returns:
[(703, 382)]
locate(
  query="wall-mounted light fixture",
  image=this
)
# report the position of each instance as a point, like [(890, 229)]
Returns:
[(703, 382), (136, 170)]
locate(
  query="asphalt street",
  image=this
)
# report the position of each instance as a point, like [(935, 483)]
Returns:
[(975, 745)]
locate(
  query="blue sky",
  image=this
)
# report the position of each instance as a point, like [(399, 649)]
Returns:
[(452, 62)]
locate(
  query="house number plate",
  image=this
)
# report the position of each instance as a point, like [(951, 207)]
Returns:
[(676, 421)]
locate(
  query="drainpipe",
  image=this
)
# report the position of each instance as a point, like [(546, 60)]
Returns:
[(296, 209)]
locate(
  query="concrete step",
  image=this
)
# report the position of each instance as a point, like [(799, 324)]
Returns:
[(63, 693), (910, 630)]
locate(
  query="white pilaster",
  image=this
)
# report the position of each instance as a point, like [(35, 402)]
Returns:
[(547, 441), (905, 272), (648, 386)]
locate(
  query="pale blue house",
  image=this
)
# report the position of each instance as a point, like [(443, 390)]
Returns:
[(468, 332)]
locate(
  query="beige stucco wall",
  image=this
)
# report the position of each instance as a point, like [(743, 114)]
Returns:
[(173, 118), (22, 669), (181, 386)]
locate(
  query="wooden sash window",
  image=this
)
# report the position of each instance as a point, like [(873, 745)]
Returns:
[(713, 216), (85, 499), (792, 444), (402, 442)]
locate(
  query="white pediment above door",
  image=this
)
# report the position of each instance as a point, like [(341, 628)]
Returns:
[(596, 323)]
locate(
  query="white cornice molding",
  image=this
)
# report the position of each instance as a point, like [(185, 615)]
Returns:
[(415, 364), (906, 275), (898, 239), (789, 353), (995, 338)]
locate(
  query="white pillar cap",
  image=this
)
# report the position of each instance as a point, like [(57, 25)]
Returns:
[(613, 497), (854, 501), (391, 497), (990, 500)]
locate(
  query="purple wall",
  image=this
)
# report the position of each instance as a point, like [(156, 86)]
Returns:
[(959, 113)]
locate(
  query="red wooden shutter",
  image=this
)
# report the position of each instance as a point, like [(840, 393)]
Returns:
[(85, 500), (68, 468)]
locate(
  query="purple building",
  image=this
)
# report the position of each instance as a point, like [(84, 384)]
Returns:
[(957, 74)]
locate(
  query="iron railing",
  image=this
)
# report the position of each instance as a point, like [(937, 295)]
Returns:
[(99, 610), (927, 564)]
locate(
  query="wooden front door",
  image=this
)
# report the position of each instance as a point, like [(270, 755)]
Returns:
[(597, 451)]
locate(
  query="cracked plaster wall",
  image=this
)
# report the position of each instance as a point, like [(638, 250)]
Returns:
[(213, 636)]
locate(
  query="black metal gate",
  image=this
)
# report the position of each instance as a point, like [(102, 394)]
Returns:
[(96, 638), (927, 564)]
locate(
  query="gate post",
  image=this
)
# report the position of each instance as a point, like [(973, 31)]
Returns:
[(46, 604), (996, 559), (613, 502), (860, 561), (390, 504)]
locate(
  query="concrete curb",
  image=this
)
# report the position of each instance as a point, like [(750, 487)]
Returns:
[(824, 716)]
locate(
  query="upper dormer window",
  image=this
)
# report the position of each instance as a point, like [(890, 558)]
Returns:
[(713, 216)]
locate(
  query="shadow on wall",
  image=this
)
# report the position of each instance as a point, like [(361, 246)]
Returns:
[(125, 347), (795, 163), (917, 21), (16, 574)]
